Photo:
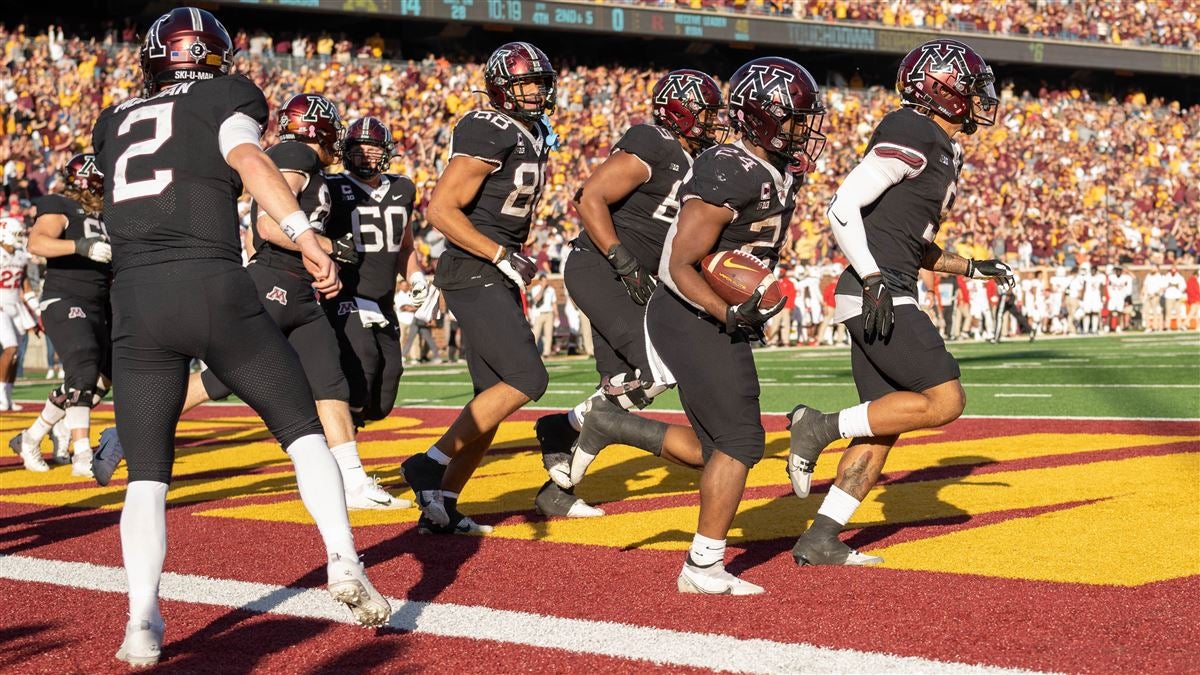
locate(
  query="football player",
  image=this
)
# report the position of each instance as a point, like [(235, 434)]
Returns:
[(885, 216), (626, 206), (374, 208), (739, 196), (483, 204), (307, 146), (69, 233), (175, 160), (16, 317)]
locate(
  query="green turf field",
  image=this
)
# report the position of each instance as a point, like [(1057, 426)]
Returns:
[(1129, 375)]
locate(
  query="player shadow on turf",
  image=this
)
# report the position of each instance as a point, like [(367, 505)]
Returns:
[(914, 499), (241, 646), (22, 642)]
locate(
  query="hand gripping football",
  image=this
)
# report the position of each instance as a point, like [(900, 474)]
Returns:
[(735, 275)]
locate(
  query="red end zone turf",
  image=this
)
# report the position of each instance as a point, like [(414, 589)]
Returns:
[(1029, 544)]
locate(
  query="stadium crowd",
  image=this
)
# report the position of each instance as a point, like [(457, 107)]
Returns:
[(1160, 23), (1064, 179)]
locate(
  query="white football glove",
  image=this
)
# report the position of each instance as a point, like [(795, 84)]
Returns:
[(420, 288), (94, 248)]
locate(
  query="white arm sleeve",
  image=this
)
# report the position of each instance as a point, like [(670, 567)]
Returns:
[(884, 166), (237, 129)]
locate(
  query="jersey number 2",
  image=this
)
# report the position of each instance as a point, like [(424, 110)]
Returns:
[(123, 189)]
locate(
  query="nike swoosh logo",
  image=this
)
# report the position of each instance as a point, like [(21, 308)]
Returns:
[(395, 197), (729, 263), (839, 220)]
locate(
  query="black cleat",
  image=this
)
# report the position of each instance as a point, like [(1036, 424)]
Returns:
[(555, 437), (552, 501), (424, 476), (816, 549), (807, 442), (461, 524)]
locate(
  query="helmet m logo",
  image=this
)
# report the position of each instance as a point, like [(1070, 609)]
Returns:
[(939, 58), (680, 86), (318, 107), (499, 61), (762, 82), (156, 49), (89, 167)]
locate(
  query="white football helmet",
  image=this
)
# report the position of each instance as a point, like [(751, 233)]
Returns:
[(12, 232)]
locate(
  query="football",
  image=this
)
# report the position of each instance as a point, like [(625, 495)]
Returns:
[(735, 275)]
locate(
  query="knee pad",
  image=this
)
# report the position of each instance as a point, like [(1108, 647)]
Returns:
[(83, 398), (631, 393)]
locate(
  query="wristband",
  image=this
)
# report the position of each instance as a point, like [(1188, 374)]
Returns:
[(500, 251), (295, 225)]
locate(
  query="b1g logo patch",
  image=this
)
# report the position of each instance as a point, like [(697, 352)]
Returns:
[(345, 308), (76, 313), (278, 295)]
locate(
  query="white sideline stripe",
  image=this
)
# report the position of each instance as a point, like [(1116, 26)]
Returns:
[(1022, 395), (669, 647)]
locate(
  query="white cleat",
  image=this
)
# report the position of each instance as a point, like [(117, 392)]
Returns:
[(143, 644), (81, 464), (60, 439), (713, 581), (370, 496), (348, 585), (30, 455)]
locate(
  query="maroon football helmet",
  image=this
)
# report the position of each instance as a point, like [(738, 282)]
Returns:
[(950, 80), (367, 131), (689, 103), (81, 173), (185, 44), (512, 65), (775, 103), (312, 118)]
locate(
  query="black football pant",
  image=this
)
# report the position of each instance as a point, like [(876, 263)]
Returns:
[(370, 357), (499, 342), (618, 323), (293, 306), (79, 329), (164, 316)]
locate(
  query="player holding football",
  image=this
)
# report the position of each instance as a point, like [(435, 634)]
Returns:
[(483, 203), (627, 206), (885, 216), (175, 161), (739, 196), (70, 235)]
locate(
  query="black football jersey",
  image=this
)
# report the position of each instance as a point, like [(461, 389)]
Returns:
[(508, 199), (378, 217), (760, 197), (168, 193), (643, 218), (75, 275), (296, 157), (908, 215)]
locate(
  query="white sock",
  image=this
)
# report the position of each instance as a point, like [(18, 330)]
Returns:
[(6, 391), (78, 417), (852, 422), (144, 546), (437, 455), (350, 464), (51, 415), (838, 505), (81, 446), (449, 495), (706, 552), (320, 484)]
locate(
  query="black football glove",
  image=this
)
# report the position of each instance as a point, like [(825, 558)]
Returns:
[(877, 313), (94, 248), (748, 318), (992, 269), (519, 269), (344, 250), (638, 283)]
